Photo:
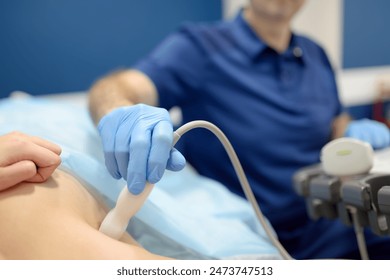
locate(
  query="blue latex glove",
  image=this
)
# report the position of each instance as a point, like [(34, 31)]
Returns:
[(137, 144), (373, 132)]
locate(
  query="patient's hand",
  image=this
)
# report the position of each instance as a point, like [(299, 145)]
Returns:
[(26, 158)]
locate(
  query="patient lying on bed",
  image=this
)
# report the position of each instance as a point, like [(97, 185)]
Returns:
[(59, 219)]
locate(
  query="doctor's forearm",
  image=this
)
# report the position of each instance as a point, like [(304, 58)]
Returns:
[(123, 88), (340, 125), (107, 94)]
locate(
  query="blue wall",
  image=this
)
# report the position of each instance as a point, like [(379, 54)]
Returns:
[(366, 42), (366, 37), (64, 45)]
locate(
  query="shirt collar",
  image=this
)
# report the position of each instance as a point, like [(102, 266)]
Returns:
[(296, 49), (248, 40)]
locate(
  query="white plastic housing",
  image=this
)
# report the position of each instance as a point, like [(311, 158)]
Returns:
[(346, 157), (127, 205)]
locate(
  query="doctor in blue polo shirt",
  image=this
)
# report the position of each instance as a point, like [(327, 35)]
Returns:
[(272, 92)]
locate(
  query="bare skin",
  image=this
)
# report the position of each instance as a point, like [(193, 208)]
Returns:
[(26, 158), (271, 20), (58, 219)]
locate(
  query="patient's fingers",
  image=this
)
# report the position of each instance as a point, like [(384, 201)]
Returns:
[(16, 173), (42, 174), (19, 149), (45, 160), (42, 156), (16, 135), (45, 144)]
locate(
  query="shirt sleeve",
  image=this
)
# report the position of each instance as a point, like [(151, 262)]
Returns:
[(176, 67)]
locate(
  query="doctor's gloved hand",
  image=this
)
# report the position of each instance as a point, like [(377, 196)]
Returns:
[(137, 144), (373, 132)]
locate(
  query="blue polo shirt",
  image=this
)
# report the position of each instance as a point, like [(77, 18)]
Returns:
[(276, 109)]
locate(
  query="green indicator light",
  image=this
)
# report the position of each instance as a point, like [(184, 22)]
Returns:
[(344, 152)]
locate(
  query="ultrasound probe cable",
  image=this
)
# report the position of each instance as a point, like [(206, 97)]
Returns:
[(116, 221)]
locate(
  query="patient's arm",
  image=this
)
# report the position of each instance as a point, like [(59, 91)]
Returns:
[(58, 219)]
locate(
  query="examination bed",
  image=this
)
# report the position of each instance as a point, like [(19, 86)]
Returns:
[(187, 216)]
